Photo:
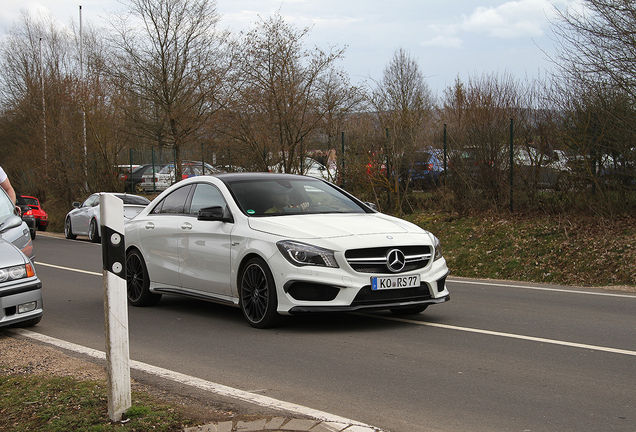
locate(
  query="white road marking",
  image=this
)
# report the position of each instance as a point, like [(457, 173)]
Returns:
[(39, 263), (218, 389), (508, 335), (632, 296)]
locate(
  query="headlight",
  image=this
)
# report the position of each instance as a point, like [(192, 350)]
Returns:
[(17, 272), (301, 254), (438, 248)]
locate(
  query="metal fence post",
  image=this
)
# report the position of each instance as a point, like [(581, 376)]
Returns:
[(511, 164), (445, 157)]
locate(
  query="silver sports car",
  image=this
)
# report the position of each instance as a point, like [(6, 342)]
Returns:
[(280, 244), (84, 218)]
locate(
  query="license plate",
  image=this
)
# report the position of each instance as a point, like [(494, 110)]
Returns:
[(395, 282)]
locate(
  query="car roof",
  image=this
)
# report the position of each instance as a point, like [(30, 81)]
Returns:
[(238, 176)]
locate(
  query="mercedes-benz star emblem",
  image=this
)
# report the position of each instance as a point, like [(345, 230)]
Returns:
[(395, 260)]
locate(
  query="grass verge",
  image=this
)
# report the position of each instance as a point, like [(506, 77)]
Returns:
[(568, 250), (61, 404)]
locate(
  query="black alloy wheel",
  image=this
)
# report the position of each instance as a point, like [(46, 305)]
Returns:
[(138, 281), (258, 294)]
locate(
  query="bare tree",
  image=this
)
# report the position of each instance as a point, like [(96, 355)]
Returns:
[(170, 58), (44, 120), (596, 44), (478, 115), (404, 104), (337, 100), (277, 88), (596, 83)]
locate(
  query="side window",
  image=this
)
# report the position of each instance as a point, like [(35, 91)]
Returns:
[(175, 202), (205, 195), (90, 201), (157, 208)]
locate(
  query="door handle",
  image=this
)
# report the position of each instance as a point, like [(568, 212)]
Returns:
[(186, 226), (150, 226)]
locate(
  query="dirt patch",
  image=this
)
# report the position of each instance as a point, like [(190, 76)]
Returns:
[(21, 357)]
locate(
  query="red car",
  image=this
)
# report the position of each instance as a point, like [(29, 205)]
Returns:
[(41, 217)]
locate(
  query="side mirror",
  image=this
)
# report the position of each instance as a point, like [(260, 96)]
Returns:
[(10, 222), (77, 204), (216, 213), (371, 205)]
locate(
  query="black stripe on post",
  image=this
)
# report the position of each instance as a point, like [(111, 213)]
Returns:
[(113, 252)]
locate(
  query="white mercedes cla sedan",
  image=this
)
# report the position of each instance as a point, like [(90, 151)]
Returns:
[(279, 244)]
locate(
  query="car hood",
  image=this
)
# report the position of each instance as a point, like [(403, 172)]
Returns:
[(10, 255), (332, 225)]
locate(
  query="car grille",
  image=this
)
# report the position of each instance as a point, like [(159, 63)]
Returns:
[(368, 297), (374, 260)]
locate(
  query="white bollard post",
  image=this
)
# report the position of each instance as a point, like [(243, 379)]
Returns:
[(115, 305)]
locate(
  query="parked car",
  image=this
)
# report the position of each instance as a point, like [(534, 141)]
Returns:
[(619, 171), (26, 213), (544, 170), (427, 168), (12, 228), (313, 168), (133, 179), (221, 238), (20, 288), (84, 218), (165, 177), (41, 217)]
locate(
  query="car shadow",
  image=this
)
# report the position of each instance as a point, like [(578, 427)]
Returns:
[(304, 323)]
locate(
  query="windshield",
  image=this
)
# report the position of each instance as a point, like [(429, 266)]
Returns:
[(31, 201), (276, 197)]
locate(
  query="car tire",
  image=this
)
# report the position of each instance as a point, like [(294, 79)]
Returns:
[(68, 230), (409, 310), (93, 235), (32, 232), (257, 294), (138, 281)]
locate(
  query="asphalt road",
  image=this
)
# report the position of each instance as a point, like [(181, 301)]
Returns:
[(499, 356)]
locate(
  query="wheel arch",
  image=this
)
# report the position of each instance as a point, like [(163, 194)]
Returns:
[(244, 260)]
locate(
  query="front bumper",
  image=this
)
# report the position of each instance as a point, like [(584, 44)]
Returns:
[(375, 306), (319, 289), (13, 296)]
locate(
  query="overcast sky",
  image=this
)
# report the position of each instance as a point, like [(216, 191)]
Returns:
[(448, 39)]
